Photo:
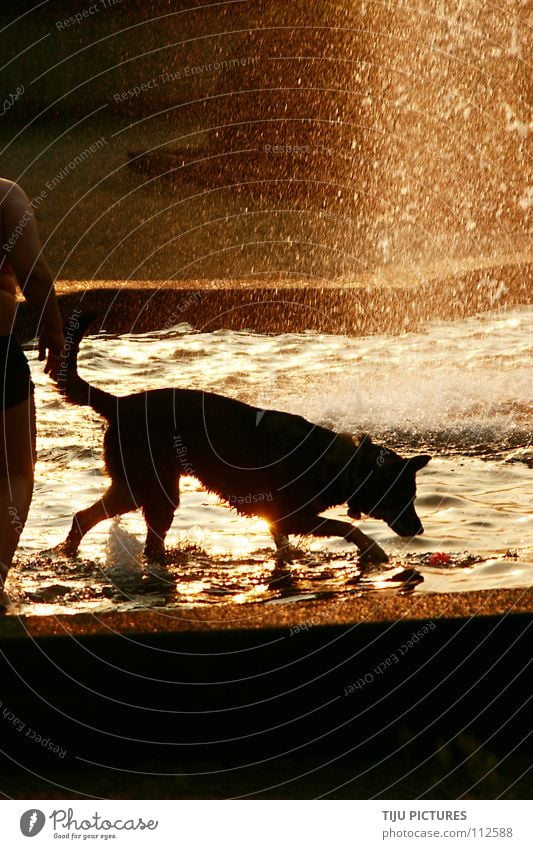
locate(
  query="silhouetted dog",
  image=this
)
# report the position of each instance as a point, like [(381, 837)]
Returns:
[(262, 462)]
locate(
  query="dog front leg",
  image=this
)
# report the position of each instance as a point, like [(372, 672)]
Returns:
[(369, 551), (284, 551)]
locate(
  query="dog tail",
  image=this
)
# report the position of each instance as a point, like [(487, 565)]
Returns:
[(70, 384)]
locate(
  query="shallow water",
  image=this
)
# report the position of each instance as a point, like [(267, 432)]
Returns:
[(460, 390)]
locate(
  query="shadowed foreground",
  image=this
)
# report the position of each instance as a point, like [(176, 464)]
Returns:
[(397, 696)]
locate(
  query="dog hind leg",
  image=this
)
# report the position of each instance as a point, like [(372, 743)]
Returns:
[(159, 509), (117, 500)]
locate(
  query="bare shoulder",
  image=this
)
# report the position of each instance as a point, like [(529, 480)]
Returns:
[(18, 230), (12, 195)]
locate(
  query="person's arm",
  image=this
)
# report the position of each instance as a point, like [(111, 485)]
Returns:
[(32, 272)]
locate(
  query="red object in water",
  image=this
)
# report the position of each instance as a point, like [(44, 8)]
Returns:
[(439, 558)]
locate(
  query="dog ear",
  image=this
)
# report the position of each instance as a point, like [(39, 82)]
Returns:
[(417, 463)]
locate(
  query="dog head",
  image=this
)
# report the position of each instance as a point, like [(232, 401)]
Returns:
[(385, 487)]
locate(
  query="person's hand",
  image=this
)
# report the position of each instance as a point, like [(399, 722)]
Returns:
[(53, 343)]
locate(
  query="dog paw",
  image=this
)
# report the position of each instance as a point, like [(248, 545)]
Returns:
[(156, 555), (69, 548), (372, 555), (285, 556)]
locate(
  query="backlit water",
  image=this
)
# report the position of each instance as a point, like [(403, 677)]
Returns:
[(461, 391)]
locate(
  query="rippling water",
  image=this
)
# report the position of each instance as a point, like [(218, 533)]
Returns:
[(461, 390)]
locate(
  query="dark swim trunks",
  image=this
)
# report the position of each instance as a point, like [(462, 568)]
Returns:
[(15, 379)]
